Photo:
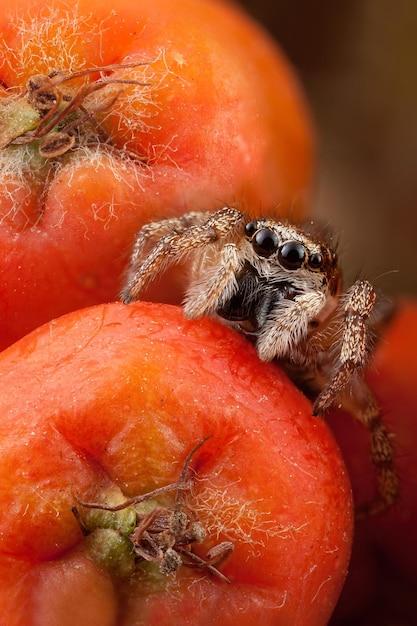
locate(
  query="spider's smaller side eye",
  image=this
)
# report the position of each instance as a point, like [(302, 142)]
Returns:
[(291, 255), (315, 261), (251, 228), (265, 242)]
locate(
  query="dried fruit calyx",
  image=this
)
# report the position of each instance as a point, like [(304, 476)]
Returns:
[(142, 531), (58, 116)]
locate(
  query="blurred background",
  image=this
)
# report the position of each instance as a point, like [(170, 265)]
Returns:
[(357, 61)]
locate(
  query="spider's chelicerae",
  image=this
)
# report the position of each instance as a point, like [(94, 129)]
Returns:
[(279, 285)]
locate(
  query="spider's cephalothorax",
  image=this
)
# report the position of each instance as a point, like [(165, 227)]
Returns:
[(279, 285)]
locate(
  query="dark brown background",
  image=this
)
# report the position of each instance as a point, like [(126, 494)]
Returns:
[(357, 61)]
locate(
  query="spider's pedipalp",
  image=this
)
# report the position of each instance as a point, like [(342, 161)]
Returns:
[(204, 299), (288, 325)]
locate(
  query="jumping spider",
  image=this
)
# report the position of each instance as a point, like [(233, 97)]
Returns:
[(282, 287)]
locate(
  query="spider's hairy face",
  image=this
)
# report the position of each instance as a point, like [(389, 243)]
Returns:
[(282, 252), (282, 264)]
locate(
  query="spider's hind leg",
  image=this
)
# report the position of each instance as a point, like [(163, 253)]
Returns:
[(362, 405)]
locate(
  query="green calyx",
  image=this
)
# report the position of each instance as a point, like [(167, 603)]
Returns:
[(112, 551), (123, 521), (108, 534), (17, 117)]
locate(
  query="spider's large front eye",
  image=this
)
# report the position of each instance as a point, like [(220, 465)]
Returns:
[(291, 255), (265, 242)]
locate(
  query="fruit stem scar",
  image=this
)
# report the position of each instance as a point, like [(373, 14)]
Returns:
[(44, 110), (121, 536)]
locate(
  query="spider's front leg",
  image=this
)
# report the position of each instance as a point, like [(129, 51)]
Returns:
[(156, 230), (357, 308), (361, 403), (175, 245)]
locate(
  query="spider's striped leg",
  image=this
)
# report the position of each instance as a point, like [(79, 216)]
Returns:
[(358, 305), (360, 403), (175, 245), (156, 230)]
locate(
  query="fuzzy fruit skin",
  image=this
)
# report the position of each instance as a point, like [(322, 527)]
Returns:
[(122, 393), (385, 557), (231, 113)]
